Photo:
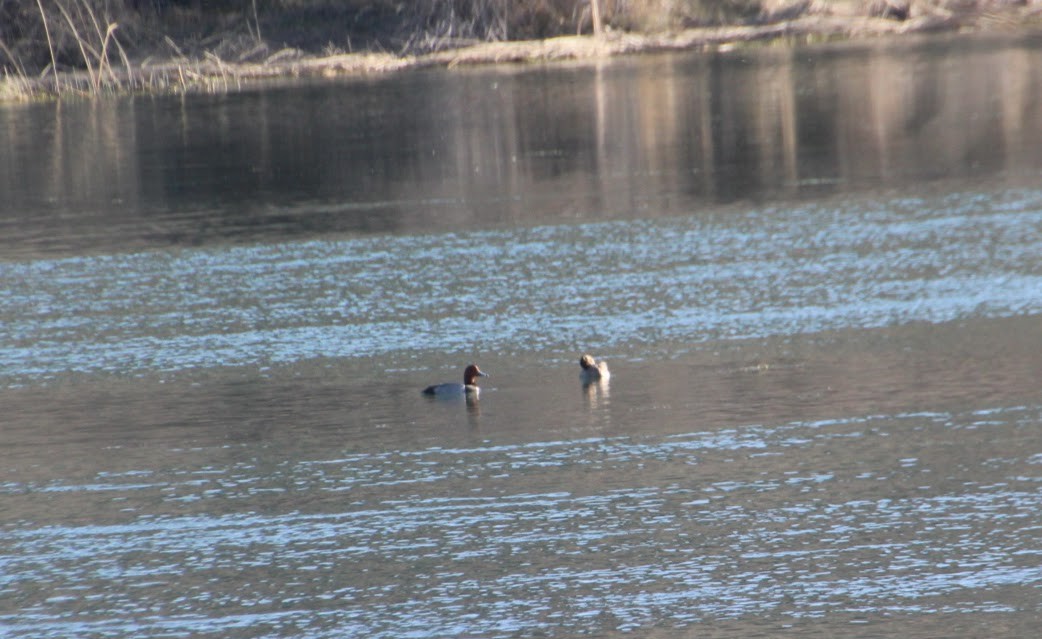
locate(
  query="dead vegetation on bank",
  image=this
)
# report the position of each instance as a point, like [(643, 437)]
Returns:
[(95, 47)]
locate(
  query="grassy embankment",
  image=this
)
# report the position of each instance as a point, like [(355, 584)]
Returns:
[(93, 47)]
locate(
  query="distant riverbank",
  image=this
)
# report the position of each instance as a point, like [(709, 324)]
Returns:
[(108, 69)]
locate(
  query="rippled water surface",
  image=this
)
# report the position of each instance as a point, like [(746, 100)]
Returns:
[(824, 416)]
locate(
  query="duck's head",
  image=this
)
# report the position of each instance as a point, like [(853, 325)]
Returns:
[(471, 374)]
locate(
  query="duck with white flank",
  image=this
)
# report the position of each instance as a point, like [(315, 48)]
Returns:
[(468, 388)]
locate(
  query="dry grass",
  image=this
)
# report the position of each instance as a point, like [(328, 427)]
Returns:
[(85, 35), (77, 34)]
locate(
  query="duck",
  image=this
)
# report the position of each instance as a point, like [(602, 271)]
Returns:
[(468, 388), (592, 370)]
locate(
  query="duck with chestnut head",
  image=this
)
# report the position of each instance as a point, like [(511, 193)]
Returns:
[(468, 388)]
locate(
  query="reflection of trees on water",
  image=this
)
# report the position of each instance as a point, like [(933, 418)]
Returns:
[(670, 133), (643, 135)]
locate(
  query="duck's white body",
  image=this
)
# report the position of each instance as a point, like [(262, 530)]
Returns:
[(451, 389)]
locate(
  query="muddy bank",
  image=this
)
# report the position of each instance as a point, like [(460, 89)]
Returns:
[(211, 72)]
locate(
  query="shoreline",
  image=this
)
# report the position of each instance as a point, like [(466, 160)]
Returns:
[(211, 74)]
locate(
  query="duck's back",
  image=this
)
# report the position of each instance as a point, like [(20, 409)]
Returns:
[(445, 389)]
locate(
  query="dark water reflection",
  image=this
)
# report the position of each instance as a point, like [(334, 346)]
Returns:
[(815, 274), (656, 135)]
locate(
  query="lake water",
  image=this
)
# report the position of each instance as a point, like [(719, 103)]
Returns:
[(815, 273)]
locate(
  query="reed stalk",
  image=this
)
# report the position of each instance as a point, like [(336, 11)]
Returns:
[(595, 10), (256, 22), (82, 44), (110, 29), (50, 47)]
